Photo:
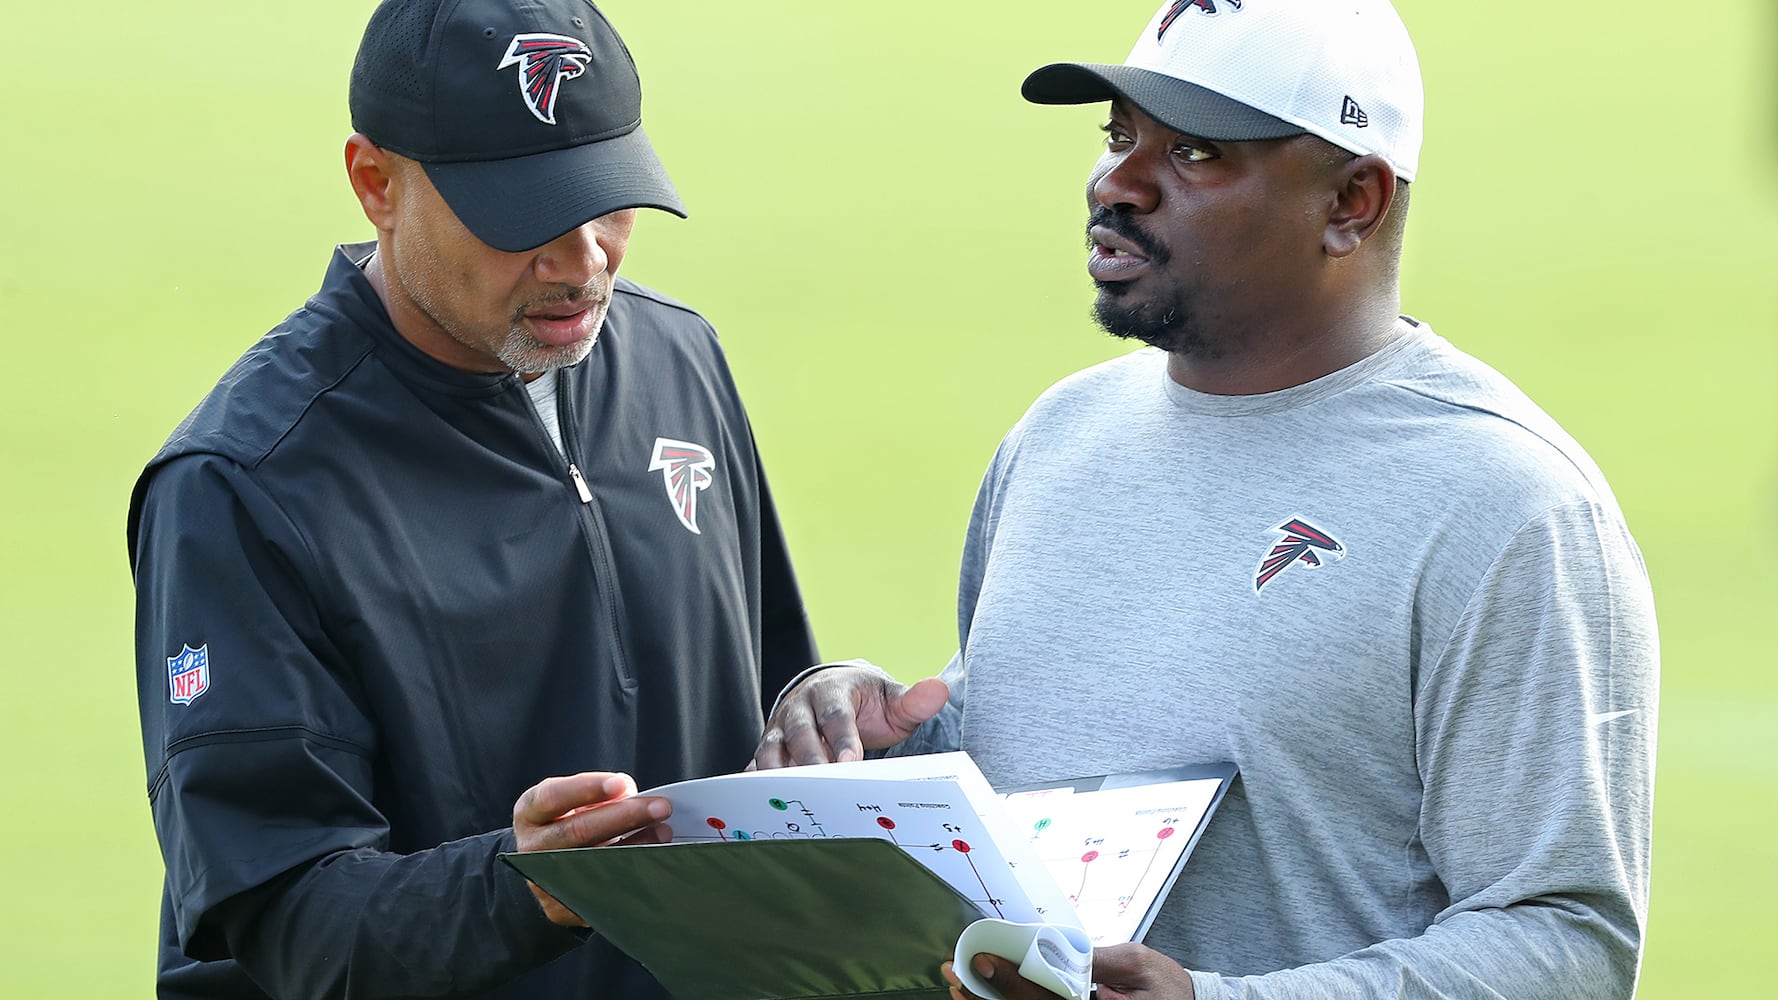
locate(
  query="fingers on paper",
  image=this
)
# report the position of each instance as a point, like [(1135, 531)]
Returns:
[(583, 810), (552, 798), (816, 722), (835, 736)]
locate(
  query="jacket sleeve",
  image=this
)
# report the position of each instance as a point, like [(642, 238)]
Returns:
[(787, 645), (1536, 738), (262, 771)]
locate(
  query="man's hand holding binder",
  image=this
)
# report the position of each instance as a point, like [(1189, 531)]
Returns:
[(585, 810), (1121, 972)]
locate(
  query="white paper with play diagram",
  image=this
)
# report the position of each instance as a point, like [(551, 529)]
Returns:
[(1052, 870), (1113, 851), (1096, 853), (937, 808)]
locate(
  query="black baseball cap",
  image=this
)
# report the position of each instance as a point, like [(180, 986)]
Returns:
[(525, 114)]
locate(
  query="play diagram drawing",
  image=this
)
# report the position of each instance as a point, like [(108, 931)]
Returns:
[(1095, 857), (934, 821), (1113, 851)]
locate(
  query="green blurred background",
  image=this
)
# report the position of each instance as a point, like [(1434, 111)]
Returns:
[(890, 242)]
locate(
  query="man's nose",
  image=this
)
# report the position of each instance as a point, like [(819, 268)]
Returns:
[(573, 258), (1125, 180)]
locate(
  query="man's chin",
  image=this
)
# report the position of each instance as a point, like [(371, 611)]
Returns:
[(1120, 317), (530, 356), (1165, 326)]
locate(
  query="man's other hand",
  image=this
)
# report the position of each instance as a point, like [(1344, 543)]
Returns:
[(1122, 972), (590, 809), (840, 712)]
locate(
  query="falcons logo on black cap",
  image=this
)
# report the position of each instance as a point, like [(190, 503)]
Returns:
[(544, 61), (686, 469), (1298, 545)]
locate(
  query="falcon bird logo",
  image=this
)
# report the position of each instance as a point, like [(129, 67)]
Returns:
[(1181, 6), (686, 469), (1298, 545), (544, 62)]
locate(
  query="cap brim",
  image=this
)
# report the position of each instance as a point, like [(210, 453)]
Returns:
[(523, 202), (1181, 106)]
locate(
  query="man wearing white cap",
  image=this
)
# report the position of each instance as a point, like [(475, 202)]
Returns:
[(1307, 535)]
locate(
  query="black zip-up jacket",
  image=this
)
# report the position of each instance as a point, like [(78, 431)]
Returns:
[(375, 603)]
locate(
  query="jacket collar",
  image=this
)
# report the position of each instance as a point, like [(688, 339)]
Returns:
[(347, 291)]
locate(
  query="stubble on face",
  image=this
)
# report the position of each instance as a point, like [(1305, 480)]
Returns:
[(426, 275), (1167, 320), (522, 352)]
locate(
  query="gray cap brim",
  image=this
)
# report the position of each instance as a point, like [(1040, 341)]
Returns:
[(522, 202), (1181, 106)]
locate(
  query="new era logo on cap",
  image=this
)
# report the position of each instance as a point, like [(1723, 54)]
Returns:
[(1352, 114)]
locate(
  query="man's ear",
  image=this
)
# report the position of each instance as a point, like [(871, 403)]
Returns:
[(371, 169), (1364, 188)]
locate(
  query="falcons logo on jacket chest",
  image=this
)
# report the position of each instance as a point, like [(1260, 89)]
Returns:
[(686, 470)]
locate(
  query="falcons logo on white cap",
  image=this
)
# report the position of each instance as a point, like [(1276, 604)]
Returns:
[(544, 62), (1181, 6), (686, 469)]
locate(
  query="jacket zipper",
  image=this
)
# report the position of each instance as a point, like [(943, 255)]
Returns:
[(580, 486), (586, 495), (592, 521)]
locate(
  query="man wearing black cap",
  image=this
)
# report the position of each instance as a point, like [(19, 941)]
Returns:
[(1306, 535), (468, 540)]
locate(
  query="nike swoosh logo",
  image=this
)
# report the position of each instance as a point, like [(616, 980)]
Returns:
[(1601, 718)]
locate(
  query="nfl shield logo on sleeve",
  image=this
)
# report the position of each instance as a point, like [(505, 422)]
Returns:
[(188, 674)]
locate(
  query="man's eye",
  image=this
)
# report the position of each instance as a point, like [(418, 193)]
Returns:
[(1192, 154), (1113, 134)]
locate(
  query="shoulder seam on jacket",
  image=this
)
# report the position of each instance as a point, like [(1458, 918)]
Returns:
[(192, 444), (310, 402), (650, 295)]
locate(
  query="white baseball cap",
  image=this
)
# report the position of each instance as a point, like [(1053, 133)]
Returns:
[(1230, 70)]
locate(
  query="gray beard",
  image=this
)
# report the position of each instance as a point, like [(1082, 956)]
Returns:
[(528, 356)]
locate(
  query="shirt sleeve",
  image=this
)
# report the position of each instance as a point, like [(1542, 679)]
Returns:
[(260, 759), (1536, 740)]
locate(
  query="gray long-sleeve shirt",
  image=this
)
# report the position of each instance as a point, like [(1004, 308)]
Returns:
[(1402, 600)]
